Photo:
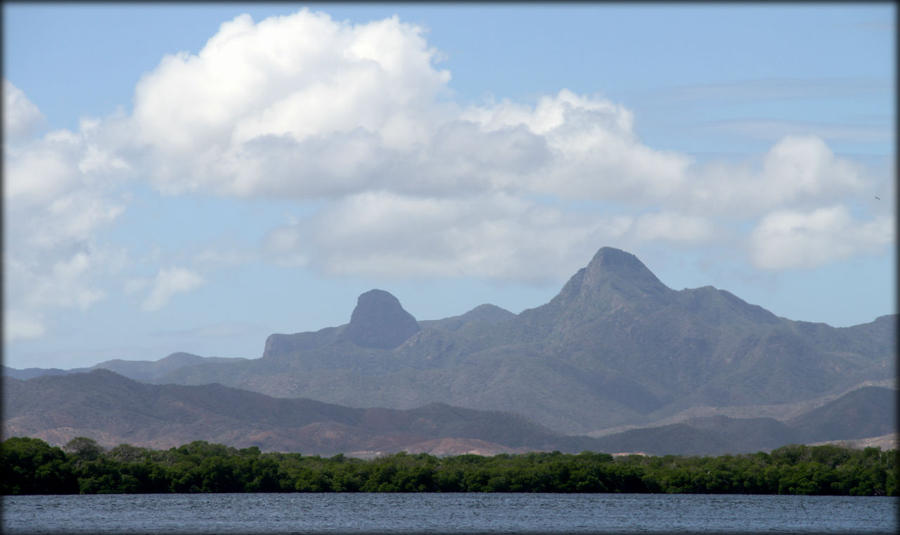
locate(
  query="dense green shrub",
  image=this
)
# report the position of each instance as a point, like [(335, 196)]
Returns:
[(31, 466)]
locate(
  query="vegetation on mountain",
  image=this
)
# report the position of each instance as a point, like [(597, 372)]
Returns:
[(615, 347), (115, 409), (31, 466), (864, 412)]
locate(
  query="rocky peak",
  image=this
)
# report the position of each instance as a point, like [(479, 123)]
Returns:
[(379, 321), (614, 281), (614, 272)]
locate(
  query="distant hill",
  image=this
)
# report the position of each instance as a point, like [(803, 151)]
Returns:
[(113, 409), (139, 370), (866, 412), (615, 348), (31, 373)]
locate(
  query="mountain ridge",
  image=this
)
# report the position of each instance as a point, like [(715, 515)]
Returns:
[(113, 410), (615, 347)]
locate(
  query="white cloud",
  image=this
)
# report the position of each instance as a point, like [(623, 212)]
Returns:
[(796, 172), (60, 190), (792, 239), (20, 116), (298, 79), (135, 285), (405, 182), (168, 282), (492, 236), (595, 152), (42, 170), (805, 166), (308, 107), (21, 326), (673, 227), (63, 288), (60, 277), (304, 107)]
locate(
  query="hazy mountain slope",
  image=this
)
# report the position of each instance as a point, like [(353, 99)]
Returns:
[(143, 370), (614, 347), (31, 373), (485, 314), (140, 370), (113, 410), (862, 413)]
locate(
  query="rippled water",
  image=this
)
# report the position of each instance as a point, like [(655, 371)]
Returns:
[(447, 513)]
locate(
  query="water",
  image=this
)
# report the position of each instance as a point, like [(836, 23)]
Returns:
[(447, 513)]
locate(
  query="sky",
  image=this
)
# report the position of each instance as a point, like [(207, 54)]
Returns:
[(196, 177)]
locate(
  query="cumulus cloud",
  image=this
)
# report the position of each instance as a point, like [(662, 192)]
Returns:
[(302, 74), (595, 151), (493, 236), (309, 107), (63, 288), (21, 326), (60, 190), (798, 171), (794, 239), (805, 166), (305, 107), (20, 116), (300, 79), (449, 233), (673, 227), (169, 282), (352, 122)]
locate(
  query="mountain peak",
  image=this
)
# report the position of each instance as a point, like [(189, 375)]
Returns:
[(379, 321), (622, 271), (613, 277), (616, 260)]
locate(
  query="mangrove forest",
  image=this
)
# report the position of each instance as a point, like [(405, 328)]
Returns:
[(32, 466)]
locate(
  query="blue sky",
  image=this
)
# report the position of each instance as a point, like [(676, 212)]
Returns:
[(185, 178)]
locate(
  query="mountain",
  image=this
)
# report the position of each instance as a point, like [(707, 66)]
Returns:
[(30, 373), (486, 314), (862, 413), (616, 347), (378, 321), (140, 370), (143, 370), (113, 410)]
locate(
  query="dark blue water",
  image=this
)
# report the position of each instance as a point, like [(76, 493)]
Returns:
[(447, 513)]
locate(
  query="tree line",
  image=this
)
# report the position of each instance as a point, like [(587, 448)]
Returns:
[(31, 466)]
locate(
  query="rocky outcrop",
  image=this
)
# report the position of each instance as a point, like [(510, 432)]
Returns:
[(380, 322)]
